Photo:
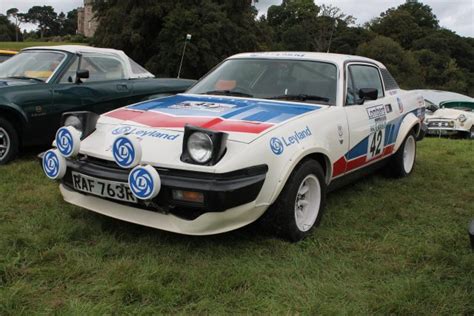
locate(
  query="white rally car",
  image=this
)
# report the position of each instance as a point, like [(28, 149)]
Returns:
[(263, 135)]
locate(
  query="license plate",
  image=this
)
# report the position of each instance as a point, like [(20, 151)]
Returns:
[(104, 188)]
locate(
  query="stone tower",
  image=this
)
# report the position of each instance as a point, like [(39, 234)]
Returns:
[(86, 23)]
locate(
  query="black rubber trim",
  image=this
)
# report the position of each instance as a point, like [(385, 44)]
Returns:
[(221, 191)]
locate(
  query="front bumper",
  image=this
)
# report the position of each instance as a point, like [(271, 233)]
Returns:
[(445, 131), (221, 191), (229, 198), (206, 224), (444, 127)]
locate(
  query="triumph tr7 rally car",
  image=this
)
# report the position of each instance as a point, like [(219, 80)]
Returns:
[(263, 135)]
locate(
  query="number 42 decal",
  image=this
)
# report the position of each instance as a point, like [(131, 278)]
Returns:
[(376, 144)]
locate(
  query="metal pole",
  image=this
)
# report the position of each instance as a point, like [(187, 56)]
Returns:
[(188, 38), (182, 57)]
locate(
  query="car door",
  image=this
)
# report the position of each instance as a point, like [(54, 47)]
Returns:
[(370, 131), (104, 90)]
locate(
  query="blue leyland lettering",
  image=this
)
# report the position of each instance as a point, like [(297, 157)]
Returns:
[(127, 130), (278, 145), (297, 137)]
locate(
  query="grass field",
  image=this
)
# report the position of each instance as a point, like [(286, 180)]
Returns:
[(384, 247), (20, 45)]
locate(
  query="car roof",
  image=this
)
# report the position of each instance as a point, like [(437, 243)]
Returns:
[(438, 96), (76, 49), (327, 57)]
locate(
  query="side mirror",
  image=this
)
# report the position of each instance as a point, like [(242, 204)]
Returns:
[(82, 74), (368, 94)]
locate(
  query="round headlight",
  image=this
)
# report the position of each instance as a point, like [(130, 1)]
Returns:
[(462, 118), (200, 147), (74, 121)]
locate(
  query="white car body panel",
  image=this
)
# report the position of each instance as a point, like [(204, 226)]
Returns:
[(342, 135)]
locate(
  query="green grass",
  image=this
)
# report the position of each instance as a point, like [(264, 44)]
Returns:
[(20, 45), (384, 247)]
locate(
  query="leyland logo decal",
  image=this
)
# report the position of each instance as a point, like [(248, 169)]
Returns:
[(139, 132), (278, 144)]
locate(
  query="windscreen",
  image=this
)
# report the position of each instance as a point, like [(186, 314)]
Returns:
[(301, 80), (39, 65)]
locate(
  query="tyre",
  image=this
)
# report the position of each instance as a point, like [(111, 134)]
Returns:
[(403, 161), (9, 141), (299, 207), (471, 133)]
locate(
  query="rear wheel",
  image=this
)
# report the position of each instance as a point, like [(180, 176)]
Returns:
[(471, 132), (403, 161), (299, 207), (9, 141)]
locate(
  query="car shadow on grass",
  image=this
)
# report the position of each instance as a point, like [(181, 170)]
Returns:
[(253, 233)]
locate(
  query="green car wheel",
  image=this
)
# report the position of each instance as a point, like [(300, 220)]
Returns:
[(9, 141)]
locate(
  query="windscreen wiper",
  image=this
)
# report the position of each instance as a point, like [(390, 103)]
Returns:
[(26, 78), (300, 97), (229, 92)]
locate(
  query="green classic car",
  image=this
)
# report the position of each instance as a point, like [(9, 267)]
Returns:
[(40, 83)]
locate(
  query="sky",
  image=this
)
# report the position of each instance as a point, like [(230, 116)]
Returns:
[(456, 15)]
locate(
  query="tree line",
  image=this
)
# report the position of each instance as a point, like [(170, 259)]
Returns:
[(49, 23), (407, 39)]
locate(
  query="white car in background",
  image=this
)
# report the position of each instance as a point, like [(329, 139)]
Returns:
[(448, 113), (264, 135)]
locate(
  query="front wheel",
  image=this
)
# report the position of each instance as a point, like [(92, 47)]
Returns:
[(9, 142), (403, 161), (299, 207)]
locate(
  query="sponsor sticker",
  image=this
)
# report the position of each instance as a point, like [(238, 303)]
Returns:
[(400, 105), (126, 151), (141, 133), (278, 144), (376, 111), (203, 106), (144, 182)]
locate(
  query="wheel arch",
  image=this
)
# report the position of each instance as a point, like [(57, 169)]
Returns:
[(409, 123), (16, 117), (320, 155)]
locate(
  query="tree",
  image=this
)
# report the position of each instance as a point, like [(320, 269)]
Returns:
[(7, 29), (330, 20), (441, 72), (406, 23), (302, 25), (401, 63), (19, 19), (294, 24), (45, 17), (153, 32), (67, 23)]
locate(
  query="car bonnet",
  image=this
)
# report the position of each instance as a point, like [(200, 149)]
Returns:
[(4, 82), (449, 114), (243, 119)]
